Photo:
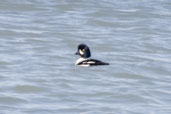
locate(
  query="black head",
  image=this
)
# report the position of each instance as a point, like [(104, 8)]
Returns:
[(83, 51)]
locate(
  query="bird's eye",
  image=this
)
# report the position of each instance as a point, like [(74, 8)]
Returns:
[(83, 50)]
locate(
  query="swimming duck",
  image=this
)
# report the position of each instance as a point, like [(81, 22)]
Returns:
[(85, 60)]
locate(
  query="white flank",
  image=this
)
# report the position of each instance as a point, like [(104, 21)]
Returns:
[(80, 60), (89, 62)]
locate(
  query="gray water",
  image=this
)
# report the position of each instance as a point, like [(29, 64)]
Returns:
[(38, 39)]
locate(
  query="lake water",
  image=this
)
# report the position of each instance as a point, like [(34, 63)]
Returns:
[(38, 39)]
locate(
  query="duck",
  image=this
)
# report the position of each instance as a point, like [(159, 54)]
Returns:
[(84, 52)]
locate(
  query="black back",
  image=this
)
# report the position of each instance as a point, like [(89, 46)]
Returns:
[(92, 62)]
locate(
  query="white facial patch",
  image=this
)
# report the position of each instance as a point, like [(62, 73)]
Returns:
[(81, 52)]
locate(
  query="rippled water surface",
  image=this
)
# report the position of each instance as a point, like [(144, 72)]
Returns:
[(38, 39)]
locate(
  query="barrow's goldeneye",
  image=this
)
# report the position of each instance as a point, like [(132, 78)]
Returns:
[(84, 52)]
